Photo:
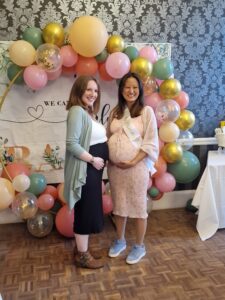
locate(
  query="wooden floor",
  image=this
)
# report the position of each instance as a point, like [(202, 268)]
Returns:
[(178, 265)]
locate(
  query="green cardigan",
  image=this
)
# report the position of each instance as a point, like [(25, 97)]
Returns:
[(79, 127)]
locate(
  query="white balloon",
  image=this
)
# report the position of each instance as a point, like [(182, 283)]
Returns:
[(21, 182)]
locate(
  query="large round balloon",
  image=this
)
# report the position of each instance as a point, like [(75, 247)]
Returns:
[(88, 36), (41, 224), (64, 221), (24, 205), (7, 193), (38, 184), (185, 170)]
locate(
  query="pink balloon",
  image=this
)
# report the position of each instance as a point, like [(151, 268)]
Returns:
[(149, 53), (54, 74), (182, 99), (69, 56), (107, 204), (45, 202), (165, 183), (35, 77), (117, 64), (64, 221), (52, 190), (153, 100)]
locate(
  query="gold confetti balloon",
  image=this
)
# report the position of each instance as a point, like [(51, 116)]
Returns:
[(142, 67), (169, 88), (186, 119), (172, 152), (115, 43), (48, 57), (53, 33)]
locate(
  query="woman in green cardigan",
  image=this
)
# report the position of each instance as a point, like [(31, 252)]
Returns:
[(86, 154)]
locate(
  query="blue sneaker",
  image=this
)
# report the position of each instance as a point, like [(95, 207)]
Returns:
[(136, 253), (117, 247)]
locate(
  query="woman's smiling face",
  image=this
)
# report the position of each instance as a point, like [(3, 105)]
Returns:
[(90, 94), (131, 90)]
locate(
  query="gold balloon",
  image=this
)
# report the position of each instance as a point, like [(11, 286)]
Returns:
[(142, 67), (53, 33), (115, 44), (172, 152), (186, 119), (169, 88)]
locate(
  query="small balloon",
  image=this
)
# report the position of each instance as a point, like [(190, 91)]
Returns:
[(107, 204), (132, 52), (41, 224), (7, 193), (149, 53), (186, 120), (13, 169), (172, 152), (64, 221), (101, 57), (48, 57), (45, 202), (22, 53), (35, 77), (167, 110), (86, 66), (24, 205), (38, 184), (185, 139), (12, 71), (142, 67), (168, 132), (21, 182), (115, 43), (33, 35), (163, 68), (53, 33), (169, 88)]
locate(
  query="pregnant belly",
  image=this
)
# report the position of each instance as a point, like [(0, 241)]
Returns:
[(121, 149)]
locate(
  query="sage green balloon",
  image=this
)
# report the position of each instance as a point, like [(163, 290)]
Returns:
[(162, 68), (187, 169), (33, 35), (101, 57), (131, 52), (12, 71)]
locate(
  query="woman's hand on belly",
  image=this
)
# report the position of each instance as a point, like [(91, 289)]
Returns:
[(126, 164)]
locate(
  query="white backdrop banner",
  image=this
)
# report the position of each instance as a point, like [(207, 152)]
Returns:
[(33, 123)]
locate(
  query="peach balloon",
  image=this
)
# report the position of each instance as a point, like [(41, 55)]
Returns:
[(64, 221), (60, 190), (52, 190), (22, 53), (86, 66), (169, 132), (88, 36), (182, 99), (153, 100)]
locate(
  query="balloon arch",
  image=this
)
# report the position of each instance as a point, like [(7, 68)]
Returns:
[(85, 48)]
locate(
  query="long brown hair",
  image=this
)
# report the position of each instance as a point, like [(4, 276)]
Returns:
[(78, 89), (138, 105)]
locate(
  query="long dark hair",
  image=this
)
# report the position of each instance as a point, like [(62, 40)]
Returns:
[(138, 105), (78, 89)]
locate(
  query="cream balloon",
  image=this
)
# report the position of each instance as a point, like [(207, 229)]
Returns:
[(7, 193), (21, 183), (22, 53), (169, 132)]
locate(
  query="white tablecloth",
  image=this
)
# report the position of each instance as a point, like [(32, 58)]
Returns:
[(210, 196)]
